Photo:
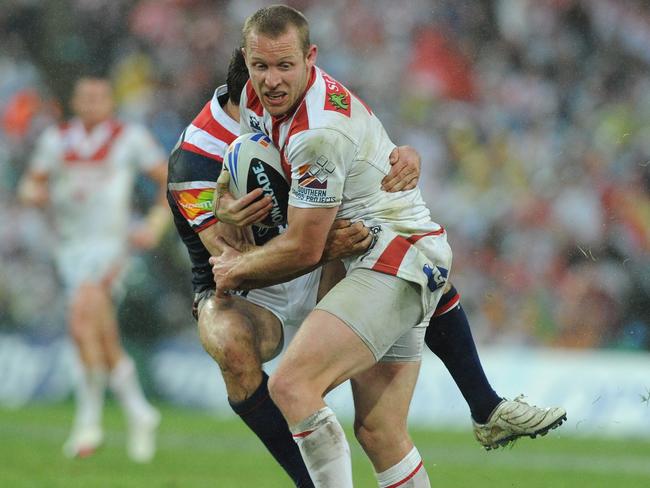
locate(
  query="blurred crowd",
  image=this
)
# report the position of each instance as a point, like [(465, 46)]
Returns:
[(532, 118)]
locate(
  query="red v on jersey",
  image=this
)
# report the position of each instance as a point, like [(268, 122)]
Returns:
[(89, 148)]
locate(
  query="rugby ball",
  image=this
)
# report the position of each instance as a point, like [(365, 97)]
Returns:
[(253, 161)]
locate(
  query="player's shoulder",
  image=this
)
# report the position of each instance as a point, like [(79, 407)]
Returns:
[(329, 104), (212, 130), (54, 131), (185, 165), (330, 101), (53, 137)]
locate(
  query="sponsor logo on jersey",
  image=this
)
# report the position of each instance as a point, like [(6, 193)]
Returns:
[(436, 276), (339, 101), (337, 98), (254, 123), (311, 195), (194, 202), (312, 185), (316, 175), (264, 182)]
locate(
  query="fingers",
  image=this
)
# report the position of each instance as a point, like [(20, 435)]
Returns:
[(340, 224), (244, 211), (396, 172), (258, 216), (362, 245), (411, 184), (222, 187), (214, 262), (394, 156), (249, 200), (405, 170), (398, 181), (354, 234), (360, 233), (223, 181)]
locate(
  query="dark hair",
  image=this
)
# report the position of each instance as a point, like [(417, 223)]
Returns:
[(237, 76), (274, 21)]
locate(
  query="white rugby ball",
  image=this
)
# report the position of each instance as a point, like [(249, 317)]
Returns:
[(253, 161)]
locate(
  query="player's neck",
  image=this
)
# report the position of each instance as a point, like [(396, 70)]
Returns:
[(232, 110), (90, 125)]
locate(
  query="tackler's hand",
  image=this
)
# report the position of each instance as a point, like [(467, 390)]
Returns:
[(223, 266), (404, 172), (247, 210), (346, 239)]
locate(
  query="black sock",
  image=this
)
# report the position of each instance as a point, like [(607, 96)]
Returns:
[(265, 419), (450, 338)]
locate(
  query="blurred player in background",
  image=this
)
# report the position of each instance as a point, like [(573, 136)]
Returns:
[(244, 332), (82, 174)]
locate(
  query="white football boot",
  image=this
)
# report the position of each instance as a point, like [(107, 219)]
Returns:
[(84, 441), (141, 438), (512, 419)]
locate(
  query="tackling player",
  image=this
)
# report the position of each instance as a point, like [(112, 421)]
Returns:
[(84, 172)]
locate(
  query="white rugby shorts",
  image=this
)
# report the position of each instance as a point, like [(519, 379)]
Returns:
[(290, 302), (92, 262)]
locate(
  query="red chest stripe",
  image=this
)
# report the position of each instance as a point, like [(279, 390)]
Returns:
[(72, 157)]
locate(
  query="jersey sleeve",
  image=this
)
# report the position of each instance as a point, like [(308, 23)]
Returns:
[(47, 153), (191, 182), (147, 152), (320, 160)]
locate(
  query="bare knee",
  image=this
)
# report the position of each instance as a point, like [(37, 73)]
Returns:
[(371, 439), (381, 438), (285, 390), (230, 340)]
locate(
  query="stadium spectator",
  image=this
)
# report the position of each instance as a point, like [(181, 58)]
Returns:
[(82, 175)]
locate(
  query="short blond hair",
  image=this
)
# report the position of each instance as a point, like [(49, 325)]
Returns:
[(274, 21)]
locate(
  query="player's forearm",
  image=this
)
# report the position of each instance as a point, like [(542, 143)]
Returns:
[(250, 284), (263, 283), (280, 260)]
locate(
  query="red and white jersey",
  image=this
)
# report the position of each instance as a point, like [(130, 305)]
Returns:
[(192, 182), (92, 175), (336, 152), (212, 130)]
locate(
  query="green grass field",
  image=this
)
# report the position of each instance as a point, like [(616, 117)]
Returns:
[(198, 450)]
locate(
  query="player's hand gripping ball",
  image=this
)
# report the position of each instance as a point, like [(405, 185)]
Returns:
[(253, 161)]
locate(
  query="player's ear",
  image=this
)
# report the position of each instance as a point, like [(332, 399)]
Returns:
[(312, 54)]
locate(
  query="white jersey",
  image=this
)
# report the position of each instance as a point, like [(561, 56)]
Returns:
[(336, 152), (91, 180)]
